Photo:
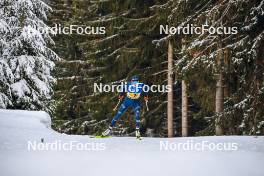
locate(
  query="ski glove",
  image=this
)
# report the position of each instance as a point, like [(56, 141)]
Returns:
[(146, 98), (121, 97)]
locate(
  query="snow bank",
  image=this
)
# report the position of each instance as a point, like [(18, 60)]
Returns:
[(122, 155), (30, 119)]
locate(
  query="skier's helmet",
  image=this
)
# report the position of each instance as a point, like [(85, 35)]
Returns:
[(135, 78)]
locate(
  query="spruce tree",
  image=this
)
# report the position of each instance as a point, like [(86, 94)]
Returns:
[(126, 49), (26, 61), (133, 45), (241, 57)]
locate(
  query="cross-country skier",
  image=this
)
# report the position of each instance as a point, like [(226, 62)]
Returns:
[(131, 95)]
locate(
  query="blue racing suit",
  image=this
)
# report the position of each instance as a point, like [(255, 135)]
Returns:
[(133, 92)]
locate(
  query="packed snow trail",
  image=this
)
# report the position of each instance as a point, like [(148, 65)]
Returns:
[(122, 155)]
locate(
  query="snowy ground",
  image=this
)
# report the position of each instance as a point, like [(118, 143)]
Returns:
[(121, 156)]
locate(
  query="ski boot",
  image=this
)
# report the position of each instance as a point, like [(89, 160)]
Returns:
[(138, 136), (107, 131)]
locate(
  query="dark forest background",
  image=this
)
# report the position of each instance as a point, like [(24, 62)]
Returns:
[(133, 45)]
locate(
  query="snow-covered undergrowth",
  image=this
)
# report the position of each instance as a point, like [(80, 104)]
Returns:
[(121, 155)]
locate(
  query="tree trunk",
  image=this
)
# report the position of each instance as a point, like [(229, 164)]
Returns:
[(219, 97), (170, 93), (184, 110), (184, 102)]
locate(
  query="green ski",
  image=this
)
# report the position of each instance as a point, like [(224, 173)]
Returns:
[(100, 136)]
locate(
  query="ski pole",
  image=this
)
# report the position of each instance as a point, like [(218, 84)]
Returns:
[(117, 105), (147, 105)]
